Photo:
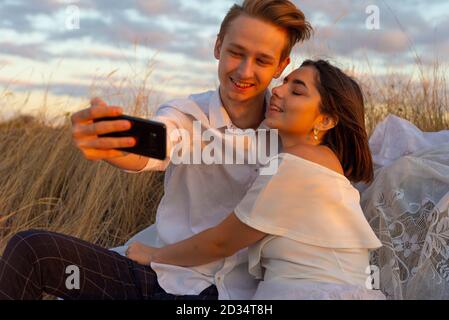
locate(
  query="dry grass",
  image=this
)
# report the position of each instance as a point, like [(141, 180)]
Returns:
[(46, 183), (421, 98)]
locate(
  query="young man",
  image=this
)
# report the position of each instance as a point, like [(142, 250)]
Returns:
[(253, 47)]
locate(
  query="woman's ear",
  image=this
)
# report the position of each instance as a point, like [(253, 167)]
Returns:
[(328, 122)]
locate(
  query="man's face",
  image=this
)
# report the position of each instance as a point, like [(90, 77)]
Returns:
[(249, 58)]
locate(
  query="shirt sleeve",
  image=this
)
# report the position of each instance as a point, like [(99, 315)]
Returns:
[(306, 203), (173, 121), (245, 209)]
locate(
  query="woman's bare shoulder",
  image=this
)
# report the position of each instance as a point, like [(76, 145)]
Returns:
[(321, 155)]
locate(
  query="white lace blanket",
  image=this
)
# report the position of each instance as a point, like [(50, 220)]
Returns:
[(408, 207)]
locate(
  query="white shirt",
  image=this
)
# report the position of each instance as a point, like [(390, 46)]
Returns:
[(198, 197), (318, 233)]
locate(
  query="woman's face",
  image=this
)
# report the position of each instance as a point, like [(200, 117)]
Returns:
[(294, 106)]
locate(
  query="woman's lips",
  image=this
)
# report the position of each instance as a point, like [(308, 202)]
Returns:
[(275, 108)]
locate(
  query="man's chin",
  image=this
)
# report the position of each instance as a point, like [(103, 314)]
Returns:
[(242, 96)]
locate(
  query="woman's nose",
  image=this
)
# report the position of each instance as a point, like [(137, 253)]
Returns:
[(277, 91)]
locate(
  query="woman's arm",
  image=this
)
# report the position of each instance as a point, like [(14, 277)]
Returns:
[(215, 243)]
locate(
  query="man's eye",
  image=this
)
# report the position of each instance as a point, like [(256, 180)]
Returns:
[(297, 93), (263, 62), (235, 53)]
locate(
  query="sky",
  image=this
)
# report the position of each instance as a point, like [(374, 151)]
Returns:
[(60, 53)]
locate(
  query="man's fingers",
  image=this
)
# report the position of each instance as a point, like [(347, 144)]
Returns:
[(99, 128), (107, 143), (98, 109), (95, 113), (94, 102)]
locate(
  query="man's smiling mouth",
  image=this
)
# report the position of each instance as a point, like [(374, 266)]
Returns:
[(241, 85)]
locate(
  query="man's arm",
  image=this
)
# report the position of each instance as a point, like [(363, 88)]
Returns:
[(85, 136), (130, 162), (213, 244)]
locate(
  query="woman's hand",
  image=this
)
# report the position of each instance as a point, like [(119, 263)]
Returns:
[(140, 253)]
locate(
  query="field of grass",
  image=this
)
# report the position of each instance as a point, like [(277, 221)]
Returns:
[(46, 183)]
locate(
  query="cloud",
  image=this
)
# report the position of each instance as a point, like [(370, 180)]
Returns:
[(100, 54), (4, 62), (16, 14), (405, 30), (34, 51), (176, 26), (60, 88), (183, 33), (163, 25)]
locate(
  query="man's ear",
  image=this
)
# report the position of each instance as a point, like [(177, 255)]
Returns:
[(217, 48), (282, 65)]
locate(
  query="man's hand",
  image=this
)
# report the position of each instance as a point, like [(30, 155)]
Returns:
[(140, 253), (85, 132)]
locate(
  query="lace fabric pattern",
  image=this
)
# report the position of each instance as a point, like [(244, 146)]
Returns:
[(407, 206)]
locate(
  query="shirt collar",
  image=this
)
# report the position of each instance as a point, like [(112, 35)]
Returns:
[(218, 116)]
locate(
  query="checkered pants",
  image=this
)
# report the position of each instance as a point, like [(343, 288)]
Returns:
[(37, 261)]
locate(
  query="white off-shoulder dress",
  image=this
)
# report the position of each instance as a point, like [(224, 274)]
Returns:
[(318, 239)]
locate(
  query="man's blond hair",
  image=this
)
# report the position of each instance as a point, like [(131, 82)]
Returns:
[(281, 13)]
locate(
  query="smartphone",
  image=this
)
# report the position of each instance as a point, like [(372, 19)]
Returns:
[(151, 136)]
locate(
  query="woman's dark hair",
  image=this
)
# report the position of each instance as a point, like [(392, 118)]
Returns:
[(342, 100)]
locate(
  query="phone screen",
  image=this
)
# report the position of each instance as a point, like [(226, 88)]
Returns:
[(151, 136)]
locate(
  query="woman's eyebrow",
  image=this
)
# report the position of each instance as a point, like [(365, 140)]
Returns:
[(300, 82), (297, 81)]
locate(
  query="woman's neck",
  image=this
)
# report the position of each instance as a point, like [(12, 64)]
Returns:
[(290, 141)]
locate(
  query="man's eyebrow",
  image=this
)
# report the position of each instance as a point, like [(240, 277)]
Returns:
[(237, 46), (297, 81)]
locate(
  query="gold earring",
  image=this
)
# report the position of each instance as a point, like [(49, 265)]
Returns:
[(315, 134)]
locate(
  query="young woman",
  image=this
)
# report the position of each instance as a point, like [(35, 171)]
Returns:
[(307, 235)]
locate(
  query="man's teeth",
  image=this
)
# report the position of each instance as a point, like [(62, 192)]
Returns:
[(241, 84), (277, 109)]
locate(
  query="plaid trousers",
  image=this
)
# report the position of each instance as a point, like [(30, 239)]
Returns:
[(36, 262)]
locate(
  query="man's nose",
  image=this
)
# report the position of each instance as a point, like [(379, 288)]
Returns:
[(245, 70)]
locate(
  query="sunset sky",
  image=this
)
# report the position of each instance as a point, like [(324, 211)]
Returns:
[(39, 52)]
